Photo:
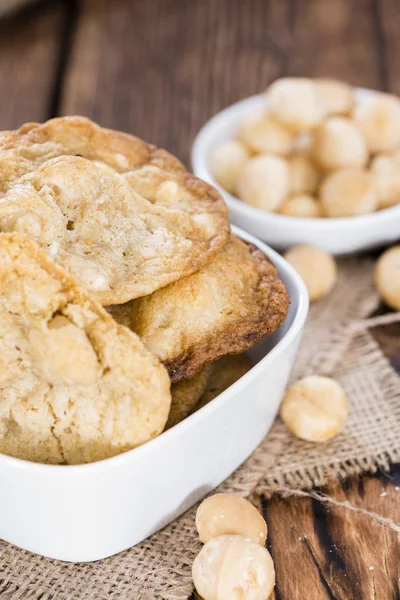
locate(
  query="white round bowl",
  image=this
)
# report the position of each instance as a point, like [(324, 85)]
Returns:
[(337, 236)]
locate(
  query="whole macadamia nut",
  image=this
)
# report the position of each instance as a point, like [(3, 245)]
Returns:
[(335, 97), (338, 144), (303, 175), (264, 182), (387, 277), (385, 173), (227, 162), (301, 205), (260, 132), (316, 267), (378, 119), (347, 193), (229, 514), (315, 408), (294, 103), (233, 567)]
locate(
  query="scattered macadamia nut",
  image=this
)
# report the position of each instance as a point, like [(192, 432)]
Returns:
[(233, 567), (301, 205), (385, 173), (316, 267), (347, 193), (260, 132), (378, 118), (315, 408), (387, 277), (227, 162), (294, 103), (264, 182), (336, 97), (229, 514), (304, 176), (339, 144)]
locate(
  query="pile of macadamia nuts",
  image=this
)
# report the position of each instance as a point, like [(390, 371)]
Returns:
[(314, 151), (233, 562)]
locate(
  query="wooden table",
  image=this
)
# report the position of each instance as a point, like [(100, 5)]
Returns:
[(160, 69)]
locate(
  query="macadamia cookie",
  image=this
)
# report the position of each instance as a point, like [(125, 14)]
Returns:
[(227, 162), (264, 182), (294, 103), (123, 216), (75, 386), (347, 193), (338, 144), (315, 408), (316, 267), (387, 277), (260, 132), (378, 119)]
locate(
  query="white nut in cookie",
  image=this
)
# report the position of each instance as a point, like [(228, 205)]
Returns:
[(387, 277), (22, 222), (347, 193), (233, 567), (294, 103), (227, 162), (304, 176), (264, 182), (316, 267), (339, 144), (64, 353), (378, 118), (301, 205), (385, 173), (336, 97), (260, 132), (315, 408), (229, 514)]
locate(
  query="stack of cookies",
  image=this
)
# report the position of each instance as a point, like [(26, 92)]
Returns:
[(123, 293)]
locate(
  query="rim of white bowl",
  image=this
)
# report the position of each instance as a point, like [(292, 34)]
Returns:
[(294, 329), (232, 114)]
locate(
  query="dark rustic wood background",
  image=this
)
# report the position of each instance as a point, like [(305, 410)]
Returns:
[(160, 69)]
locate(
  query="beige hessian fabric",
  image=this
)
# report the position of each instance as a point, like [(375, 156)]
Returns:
[(336, 342)]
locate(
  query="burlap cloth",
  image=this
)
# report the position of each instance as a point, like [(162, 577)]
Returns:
[(336, 341)]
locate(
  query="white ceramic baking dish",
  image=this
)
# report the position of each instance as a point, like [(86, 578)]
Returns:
[(337, 236), (88, 512)]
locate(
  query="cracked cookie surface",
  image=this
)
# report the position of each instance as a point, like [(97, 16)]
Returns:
[(75, 386), (224, 308), (124, 217)]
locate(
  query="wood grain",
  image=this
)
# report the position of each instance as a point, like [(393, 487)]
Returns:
[(29, 54)]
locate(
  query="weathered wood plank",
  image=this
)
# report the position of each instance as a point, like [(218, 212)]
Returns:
[(29, 54), (388, 20)]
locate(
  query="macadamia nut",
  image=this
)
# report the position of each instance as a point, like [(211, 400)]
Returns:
[(233, 567), (227, 162), (65, 353), (264, 182), (315, 408), (385, 173), (229, 514), (301, 205), (378, 118), (303, 175), (347, 193), (339, 144), (387, 277), (335, 97), (294, 103), (316, 267), (260, 132)]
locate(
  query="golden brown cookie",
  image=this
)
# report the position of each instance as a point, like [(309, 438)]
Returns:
[(224, 308), (185, 395), (224, 373), (75, 386), (123, 216)]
